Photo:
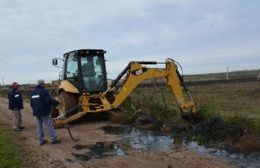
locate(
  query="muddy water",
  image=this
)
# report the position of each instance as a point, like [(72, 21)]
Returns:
[(133, 138)]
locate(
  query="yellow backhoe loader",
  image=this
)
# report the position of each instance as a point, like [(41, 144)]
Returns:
[(83, 85)]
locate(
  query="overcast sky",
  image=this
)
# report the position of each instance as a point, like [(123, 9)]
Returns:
[(203, 35)]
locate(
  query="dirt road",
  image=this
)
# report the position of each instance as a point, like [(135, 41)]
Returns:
[(88, 133)]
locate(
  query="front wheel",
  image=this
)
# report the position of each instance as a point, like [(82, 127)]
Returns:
[(67, 102)]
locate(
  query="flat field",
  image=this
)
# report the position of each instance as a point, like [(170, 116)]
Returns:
[(237, 103)]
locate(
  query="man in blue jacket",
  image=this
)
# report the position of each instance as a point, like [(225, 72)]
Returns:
[(16, 105), (41, 103)]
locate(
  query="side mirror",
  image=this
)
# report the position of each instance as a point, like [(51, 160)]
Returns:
[(55, 62)]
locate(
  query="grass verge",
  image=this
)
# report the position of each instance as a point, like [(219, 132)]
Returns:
[(12, 151)]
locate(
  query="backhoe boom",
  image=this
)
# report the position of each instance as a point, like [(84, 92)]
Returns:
[(137, 73)]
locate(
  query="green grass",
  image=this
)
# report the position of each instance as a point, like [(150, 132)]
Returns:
[(236, 103), (153, 101), (12, 151)]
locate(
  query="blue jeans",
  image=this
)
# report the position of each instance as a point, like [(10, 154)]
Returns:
[(48, 123)]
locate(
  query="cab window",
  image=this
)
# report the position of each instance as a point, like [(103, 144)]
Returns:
[(72, 73), (93, 73)]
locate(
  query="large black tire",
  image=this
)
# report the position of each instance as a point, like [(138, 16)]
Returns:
[(67, 102)]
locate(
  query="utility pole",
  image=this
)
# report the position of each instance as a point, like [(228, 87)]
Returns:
[(227, 76), (3, 81)]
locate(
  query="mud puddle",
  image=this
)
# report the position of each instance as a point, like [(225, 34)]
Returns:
[(137, 139), (101, 150)]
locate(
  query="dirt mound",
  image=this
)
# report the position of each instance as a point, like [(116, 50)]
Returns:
[(248, 143), (117, 117), (215, 129)]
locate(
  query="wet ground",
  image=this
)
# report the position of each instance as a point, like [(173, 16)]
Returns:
[(87, 134), (137, 139)]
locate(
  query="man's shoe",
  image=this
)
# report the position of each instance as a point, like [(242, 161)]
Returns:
[(56, 142), (22, 127), (43, 142)]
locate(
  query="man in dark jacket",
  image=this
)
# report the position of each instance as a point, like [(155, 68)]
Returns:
[(15, 105), (41, 103)]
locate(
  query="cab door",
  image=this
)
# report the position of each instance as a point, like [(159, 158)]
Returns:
[(71, 71)]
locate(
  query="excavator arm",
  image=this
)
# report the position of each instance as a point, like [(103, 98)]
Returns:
[(136, 73)]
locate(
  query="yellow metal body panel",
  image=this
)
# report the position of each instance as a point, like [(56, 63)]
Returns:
[(68, 87), (84, 101)]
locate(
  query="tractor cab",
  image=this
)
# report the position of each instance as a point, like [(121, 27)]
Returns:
[(86, 70)]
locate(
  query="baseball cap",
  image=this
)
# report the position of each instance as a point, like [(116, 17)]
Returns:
[(15, 84), (40, 82)]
